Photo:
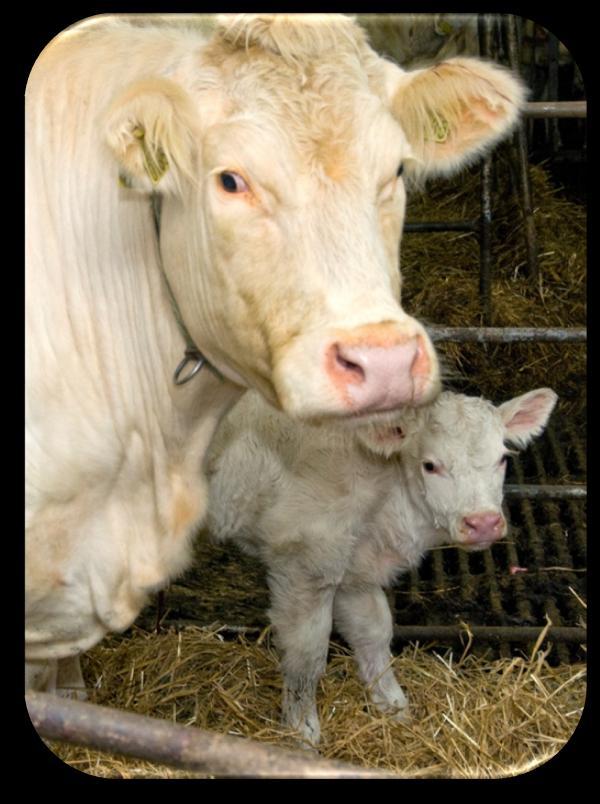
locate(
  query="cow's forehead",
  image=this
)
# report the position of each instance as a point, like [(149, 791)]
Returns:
[(325, 106)]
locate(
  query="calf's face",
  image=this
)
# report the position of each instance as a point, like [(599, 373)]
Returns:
[(455, 455), (281, 150)]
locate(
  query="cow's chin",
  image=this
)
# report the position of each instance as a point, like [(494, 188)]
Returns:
[(476, 546), (365, 421), (345, 417)]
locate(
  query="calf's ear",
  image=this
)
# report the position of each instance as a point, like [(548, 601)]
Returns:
[(525, 417), (150, 128), (454, 111)]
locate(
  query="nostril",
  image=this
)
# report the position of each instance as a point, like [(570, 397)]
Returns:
[(348, 365), (483, 523)]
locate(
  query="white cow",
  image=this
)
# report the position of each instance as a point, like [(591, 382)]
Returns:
[(336, 515), (276, 145)]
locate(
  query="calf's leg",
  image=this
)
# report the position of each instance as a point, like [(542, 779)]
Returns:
[(301, 614), (362, 616)]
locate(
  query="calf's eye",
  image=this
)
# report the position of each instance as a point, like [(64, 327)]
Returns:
[(233, 182), (429, 467), (400, 170)]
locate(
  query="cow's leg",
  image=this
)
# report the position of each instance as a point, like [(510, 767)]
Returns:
[(40, 676), (69, 679), (301, 616), (362, 616)]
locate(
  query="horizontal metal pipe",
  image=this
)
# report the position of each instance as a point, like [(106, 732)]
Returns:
[(555, 109), (564, 155), (500, 633), (561, 492), (441, 226), (220, 755), (506, 334)]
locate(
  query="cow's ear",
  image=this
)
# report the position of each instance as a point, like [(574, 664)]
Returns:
[(150, 128), (452, 112), (525, 417)]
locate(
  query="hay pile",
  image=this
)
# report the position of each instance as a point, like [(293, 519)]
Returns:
[(441, 283), (471, 717)]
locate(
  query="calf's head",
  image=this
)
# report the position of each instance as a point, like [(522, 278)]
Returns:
[(282, 149), (455, 455)]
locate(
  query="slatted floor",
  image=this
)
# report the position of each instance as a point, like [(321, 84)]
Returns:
[(546, 538)]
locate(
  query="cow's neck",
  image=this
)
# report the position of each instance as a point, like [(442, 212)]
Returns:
[(193, 361)]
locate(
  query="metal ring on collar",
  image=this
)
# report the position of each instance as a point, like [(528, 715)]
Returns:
[(191, 355)]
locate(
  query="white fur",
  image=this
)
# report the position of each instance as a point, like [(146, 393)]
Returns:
[(264, 282), (336, 513)]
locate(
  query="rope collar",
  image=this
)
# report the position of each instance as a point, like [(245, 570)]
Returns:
[(192, 355)]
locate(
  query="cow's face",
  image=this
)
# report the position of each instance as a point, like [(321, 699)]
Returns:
[(284, 202)]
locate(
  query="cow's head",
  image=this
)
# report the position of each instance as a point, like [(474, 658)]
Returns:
[(281, 149), (455, 454)]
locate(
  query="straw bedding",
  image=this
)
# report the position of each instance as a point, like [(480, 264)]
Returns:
[(472, 717)]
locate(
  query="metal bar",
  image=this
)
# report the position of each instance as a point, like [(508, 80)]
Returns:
[(220, 755), (547, 492), (531, 540), (521, 137), (557, 539), (442, 226), (503, 633), (565, 155), (506, 334), (439, 576), (466, 579), (485, 242), (495, 596), (517, 587), (553, 89), (577, 530), (543, 109), (485, 29)]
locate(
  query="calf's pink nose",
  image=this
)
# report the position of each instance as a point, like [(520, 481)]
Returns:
[(375, 376), (484, 527)]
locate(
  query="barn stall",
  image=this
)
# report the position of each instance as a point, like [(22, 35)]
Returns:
[(490, 646)]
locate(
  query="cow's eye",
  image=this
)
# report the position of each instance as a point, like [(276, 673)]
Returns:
[(233, 182), (400, 170), (429, 467)]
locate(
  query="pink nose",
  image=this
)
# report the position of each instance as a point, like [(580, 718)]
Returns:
[(376, 376), (486, 527)]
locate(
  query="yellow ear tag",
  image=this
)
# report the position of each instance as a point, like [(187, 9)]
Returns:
[(156, 164), (440, 128), (444, 28), (125, 181)]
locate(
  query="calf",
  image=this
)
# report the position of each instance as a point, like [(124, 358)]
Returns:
[(336, 514)]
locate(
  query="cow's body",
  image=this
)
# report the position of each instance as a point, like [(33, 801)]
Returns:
[(275, 145), (337, 516)]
